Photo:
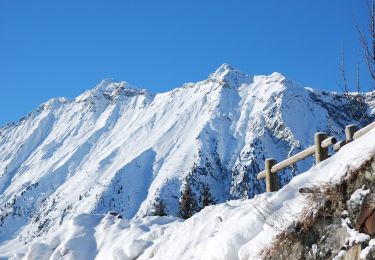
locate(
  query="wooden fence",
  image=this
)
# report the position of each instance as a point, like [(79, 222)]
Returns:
[(319, 149)]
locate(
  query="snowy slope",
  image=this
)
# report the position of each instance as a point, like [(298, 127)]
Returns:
[(232, 230), (117, 147)]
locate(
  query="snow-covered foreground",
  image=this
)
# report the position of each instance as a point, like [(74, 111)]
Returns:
[(237, 229)]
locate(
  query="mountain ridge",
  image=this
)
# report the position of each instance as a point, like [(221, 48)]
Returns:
[(119, 148)]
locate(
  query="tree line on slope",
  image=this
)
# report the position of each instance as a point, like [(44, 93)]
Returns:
[(188, 204)]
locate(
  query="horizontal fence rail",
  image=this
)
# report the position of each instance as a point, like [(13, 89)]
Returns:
[(297, 157), (351, 134), (320, 149), (363, 131)]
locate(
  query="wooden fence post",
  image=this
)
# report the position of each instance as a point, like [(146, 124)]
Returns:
[(320, 153), (349, 132), (272, 182)]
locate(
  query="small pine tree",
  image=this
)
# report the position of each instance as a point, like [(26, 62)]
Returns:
[(188, 203), (206, 198), (159, 208)]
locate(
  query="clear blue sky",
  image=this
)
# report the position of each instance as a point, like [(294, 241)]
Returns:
[(61, 48)]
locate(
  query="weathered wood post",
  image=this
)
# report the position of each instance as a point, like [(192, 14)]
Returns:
[(349, 132), (320, 153), (272, 182)]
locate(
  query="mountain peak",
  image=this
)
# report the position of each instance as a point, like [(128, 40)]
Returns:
[(112, 88), (277, 76), (224, 69), (228, 74)]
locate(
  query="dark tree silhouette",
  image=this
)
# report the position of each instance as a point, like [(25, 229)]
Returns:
[(206, 198), (188, 203), (159, 208)]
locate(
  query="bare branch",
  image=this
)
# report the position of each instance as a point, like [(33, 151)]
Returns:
[(344, 85), (369, 58), (358, 83)]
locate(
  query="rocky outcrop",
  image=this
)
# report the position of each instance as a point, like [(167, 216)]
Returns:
[(338, 224), (366, 219)]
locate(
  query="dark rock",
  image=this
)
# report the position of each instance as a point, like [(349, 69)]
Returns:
[(366, 219), (112, 213)]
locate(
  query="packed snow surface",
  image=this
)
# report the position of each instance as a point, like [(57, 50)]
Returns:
[(237, 229)]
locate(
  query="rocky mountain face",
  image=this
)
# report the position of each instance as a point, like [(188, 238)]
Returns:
[(120, 148)]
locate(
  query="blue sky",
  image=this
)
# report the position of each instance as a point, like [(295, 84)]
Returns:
[(61, 48)]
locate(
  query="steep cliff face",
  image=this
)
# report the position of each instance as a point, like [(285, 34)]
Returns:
[(119, 148)]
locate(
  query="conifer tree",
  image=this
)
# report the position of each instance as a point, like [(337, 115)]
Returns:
[(206, 198), (188, 203), (159, 208)]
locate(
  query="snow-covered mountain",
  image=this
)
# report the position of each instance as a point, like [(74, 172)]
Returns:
[(119, 148), (304, 220)]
